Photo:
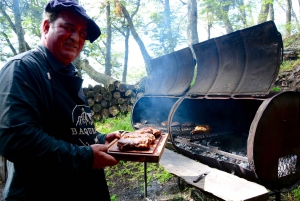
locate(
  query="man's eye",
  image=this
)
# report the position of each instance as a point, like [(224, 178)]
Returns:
[(68, 28), (83, 34)]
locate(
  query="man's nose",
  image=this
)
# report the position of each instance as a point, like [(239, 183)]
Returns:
[(75, 36)]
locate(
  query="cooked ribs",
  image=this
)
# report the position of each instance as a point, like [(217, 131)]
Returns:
[(140, 139), (149, 136), (151, 130), (133, 143)]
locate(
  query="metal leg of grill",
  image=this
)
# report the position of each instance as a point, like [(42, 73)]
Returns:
[(277, 195), (145, 179)]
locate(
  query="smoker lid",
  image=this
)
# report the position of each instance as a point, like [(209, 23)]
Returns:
[(172, 74), (242, 63)]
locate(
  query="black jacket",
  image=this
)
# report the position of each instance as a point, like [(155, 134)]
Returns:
[(46, 128)]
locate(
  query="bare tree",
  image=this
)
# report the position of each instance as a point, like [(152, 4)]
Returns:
[(136, 36), (108, 65), (192, 33), (264, 10), (288, 15), (271, 11)]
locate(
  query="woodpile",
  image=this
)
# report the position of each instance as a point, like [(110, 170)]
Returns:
[(291, 53), (117, 98)]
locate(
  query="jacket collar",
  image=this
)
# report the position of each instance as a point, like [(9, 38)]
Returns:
[(55, 64)]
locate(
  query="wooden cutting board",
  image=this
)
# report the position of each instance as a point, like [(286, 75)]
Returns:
[(151, 155)]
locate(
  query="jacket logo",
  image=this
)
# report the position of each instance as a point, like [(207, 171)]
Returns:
[(83, 121)]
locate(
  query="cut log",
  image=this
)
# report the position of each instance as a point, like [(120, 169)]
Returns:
[(132, 100), (129, 108), (97, 107), (114, 102), (103, 89), (90, 94), (111, 87), (123, 108), (98, 97), (90, 87), (117, 94), (139, 95), (130, 87), (85, 90), (104, 113), (91, 102), (104, 104), (97, 88), (129, 93), (122, 87), (116, 83), (121, 101), (107, 95), (97, 117), (113, 110)]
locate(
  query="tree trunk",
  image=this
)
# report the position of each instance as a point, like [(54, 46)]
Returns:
[(288, 14), (18, 25), (108, 65), (168, 36), (264, 10), (139, 41), (98, 77), (77, 64), (243, 16), (271, 11), (124, 75), (192, 33)]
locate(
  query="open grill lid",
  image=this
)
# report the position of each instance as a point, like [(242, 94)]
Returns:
[(242, 63), (172, 74)]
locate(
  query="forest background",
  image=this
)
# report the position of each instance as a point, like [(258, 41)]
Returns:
[(136, 31)]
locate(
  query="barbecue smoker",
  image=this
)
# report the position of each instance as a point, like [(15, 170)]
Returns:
[(254, 134)]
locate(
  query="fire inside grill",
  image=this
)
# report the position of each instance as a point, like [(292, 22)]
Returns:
[(253, 133)]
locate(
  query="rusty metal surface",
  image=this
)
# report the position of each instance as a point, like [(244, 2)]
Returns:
[(172, 73), (241, 63), (274, 142)]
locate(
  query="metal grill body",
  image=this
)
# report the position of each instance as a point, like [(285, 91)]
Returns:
[(254, 134)]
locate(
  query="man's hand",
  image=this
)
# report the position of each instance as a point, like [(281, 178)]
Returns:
[(111, 136), (101, 158)]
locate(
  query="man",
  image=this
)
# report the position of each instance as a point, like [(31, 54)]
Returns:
[(46, 130)]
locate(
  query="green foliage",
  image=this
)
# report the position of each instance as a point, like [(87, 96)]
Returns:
[(296, 193), (121, 122), (163, 175), (276, 89), (114, 197), (289, 65)]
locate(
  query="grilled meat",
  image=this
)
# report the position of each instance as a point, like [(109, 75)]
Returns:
[(149, 136), (201, 129), (133, 143), (151, 130)]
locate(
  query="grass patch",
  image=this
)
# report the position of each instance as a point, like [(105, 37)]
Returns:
[(122, 122), (289, 65)]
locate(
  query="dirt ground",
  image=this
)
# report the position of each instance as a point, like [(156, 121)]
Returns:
[(126, 188)]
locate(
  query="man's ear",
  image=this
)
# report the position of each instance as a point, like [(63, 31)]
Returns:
[(46, 26)]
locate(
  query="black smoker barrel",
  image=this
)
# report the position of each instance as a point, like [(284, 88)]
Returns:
[(254, 133)]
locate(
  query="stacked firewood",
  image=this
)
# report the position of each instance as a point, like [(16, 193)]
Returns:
[(117, 98)]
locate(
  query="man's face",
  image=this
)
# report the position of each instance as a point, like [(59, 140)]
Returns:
[(65, 37)]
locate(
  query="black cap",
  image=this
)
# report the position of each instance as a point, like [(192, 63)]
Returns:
[(93, 31)]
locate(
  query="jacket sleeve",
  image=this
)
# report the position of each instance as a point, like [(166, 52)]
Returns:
[(22, 138), (101, 138)]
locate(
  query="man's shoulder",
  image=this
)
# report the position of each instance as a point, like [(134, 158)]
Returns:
[(28, 56), (26, 60)]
